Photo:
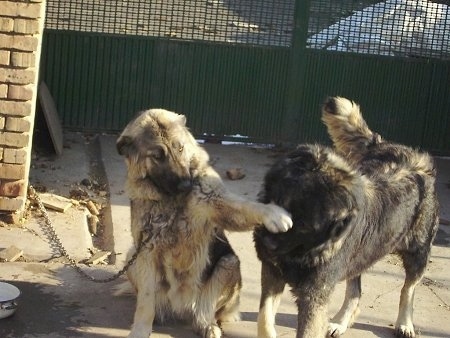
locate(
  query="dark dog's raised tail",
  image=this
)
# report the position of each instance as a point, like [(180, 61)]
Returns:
[(347, 128)]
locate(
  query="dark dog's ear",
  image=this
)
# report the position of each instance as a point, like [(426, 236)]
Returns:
[(339, 228), (124, 145)]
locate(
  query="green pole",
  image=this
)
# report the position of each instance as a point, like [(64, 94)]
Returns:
[(297, 68)]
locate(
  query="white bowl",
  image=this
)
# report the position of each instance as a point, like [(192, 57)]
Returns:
[(8, 299)]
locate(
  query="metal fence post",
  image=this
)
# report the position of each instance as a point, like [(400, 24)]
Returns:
[(297, 70)]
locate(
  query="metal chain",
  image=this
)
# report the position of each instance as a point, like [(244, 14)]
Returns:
[(56, 242)]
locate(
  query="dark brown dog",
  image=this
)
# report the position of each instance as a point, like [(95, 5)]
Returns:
[(349, 211)]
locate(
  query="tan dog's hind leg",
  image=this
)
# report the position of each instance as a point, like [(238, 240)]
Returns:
[(272, 288), (221, 292), (349, 310)]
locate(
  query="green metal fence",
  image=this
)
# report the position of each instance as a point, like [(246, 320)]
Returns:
[(252, 68)]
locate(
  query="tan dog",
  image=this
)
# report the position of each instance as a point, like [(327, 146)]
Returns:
[(188, 268)]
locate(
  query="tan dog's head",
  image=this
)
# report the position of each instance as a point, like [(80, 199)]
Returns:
[(160, 152)]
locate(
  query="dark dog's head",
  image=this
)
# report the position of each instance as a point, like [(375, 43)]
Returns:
[(160, 152), (321, 192)]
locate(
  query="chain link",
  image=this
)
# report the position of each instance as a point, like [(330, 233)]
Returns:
[(56, 243)]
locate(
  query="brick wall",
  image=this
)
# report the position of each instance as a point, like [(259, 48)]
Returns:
[(21, 27)]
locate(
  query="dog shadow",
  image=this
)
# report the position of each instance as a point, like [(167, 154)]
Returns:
[(60, 303), (388, 332)]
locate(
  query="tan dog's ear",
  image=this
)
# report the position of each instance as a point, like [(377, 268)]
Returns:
[(182, 119), (123, 145)]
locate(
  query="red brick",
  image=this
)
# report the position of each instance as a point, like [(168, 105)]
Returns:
[(12, 188)]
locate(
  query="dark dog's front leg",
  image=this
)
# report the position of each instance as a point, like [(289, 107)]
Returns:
[(272, 286), (349, 310)]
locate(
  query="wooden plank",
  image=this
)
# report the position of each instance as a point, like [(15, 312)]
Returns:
[(98, 258), (10, 254), (51, 117), (55, 202)]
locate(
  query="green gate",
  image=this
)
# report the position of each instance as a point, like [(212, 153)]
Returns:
[(251, 70)]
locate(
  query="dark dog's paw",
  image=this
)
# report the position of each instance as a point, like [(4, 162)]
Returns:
[(405, 331)]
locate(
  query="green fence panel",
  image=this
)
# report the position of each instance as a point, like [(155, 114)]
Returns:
[(100, 81), (398, 108), (259, 69)]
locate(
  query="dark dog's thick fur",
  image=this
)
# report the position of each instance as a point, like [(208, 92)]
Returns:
[(351, 206), (187, 268)]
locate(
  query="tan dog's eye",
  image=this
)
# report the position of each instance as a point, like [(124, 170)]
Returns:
[(156, 154), (181, 148)]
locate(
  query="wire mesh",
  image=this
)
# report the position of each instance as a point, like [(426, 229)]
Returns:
[(418, 28), (413, 28), (257, 22)]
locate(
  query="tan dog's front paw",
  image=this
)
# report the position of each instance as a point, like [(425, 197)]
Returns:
[(213, 331), (277, 219)]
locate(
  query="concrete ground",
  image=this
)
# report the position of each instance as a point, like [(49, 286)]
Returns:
[(56, 301)]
